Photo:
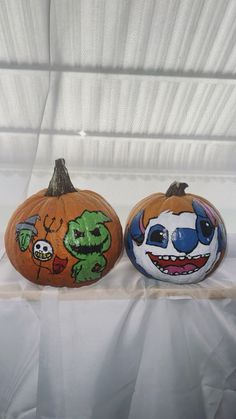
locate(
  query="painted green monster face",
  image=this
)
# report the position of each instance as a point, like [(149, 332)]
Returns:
[(25, 231), (24, 238), (87, 234)]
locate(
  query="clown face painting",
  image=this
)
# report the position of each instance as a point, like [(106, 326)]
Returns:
[(179, 247)]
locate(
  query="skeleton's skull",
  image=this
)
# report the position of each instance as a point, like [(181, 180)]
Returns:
[(42, 250)]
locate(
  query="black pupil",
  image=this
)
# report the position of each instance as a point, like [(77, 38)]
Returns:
[(78, 234), (96, 232), (206, 228), (157, 236), (45, 248), (37, 246)]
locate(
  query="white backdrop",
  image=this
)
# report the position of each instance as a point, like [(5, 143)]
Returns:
[(134, 95)]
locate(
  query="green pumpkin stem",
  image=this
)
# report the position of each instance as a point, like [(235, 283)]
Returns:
[(176, 189), (60, 183)]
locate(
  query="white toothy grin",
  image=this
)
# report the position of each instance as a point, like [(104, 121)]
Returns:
[(178, 265), (38, 254)]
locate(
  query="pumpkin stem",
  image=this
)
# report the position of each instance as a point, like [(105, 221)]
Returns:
[(60, 183), (176, 189)]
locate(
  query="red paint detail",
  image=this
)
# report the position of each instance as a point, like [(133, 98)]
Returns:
[(59, 264)]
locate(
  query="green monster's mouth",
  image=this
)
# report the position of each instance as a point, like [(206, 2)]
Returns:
[(86, 249)]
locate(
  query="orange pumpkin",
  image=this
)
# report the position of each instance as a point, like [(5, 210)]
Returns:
[(62, 236), (175, 237)]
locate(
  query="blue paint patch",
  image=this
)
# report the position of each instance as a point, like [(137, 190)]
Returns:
[(184, 239)]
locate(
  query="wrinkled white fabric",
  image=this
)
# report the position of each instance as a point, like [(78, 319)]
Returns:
[(127, 347), (19, 349), (118, 350)]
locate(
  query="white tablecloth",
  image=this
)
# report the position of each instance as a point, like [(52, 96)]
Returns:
[(127, 347)]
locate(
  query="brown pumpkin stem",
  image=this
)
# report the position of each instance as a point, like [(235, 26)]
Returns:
[(60, 183), (176, 189)]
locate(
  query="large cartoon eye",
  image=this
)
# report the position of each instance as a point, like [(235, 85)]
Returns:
[(205, 230), (96, 232), (78, 234), (158, 236)]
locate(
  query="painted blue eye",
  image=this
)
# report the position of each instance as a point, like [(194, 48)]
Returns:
[(158, 236), (205, 230)]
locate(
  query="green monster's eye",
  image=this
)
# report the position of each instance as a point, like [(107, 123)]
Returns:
[(78, 234), (96, 232)]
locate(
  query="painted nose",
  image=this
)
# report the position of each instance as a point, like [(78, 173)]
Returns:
[(184, 239)]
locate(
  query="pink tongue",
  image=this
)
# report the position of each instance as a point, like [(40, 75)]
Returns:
[(180, 269)]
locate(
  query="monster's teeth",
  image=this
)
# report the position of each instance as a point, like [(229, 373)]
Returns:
[(196, 257), (159, 257), (166, 257), (181, 258), (165, 271), (173, 258)]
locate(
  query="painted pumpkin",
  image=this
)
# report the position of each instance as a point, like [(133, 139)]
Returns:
[(62, 236), (175, 237)]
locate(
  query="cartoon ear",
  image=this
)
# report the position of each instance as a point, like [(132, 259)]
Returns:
[(136, 228), (199, 209), (102, 218), (221, 235), (204, 210)]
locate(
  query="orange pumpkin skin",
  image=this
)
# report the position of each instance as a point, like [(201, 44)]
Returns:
[(45, 221), (170, 236)]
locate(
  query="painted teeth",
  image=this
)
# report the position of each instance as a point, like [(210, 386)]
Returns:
[(174, 258)]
